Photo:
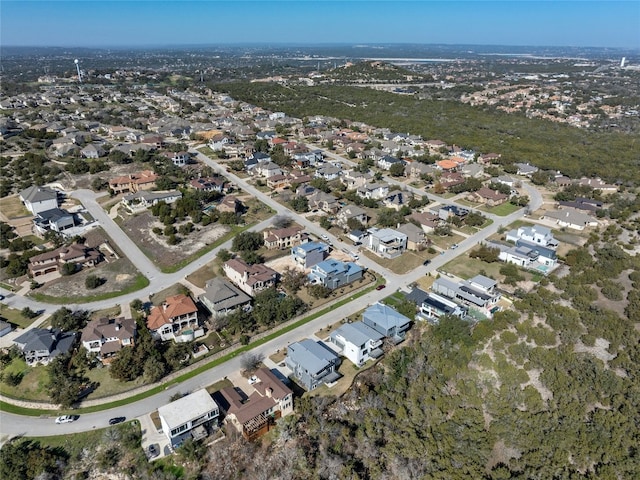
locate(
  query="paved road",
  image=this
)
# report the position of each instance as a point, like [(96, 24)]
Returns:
[(18, 425)]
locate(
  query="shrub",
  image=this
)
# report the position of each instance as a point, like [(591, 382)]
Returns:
[(93, 281)]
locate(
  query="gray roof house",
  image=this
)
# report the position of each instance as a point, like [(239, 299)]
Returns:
[(386, 242), (309, 254), (41, 345), (222, 297), (312, 363), (55, 219), (478, 293), (387, 321), (358, 342), (334, 273), (39, 199)]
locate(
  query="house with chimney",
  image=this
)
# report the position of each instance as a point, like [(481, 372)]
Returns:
[(144, 180), (175, 319), (283, 238), (107, 336), (78, 254), (251, 279)]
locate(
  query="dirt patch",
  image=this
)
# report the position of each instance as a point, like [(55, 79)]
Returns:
[(120, 275), (140, 229), (599, 350), (534, 381), (501, 454)]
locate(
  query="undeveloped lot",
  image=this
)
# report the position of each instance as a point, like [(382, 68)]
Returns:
[(140, 229)]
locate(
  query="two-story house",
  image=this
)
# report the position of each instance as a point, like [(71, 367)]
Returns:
[(107, 336), (180, 418), (251, 279), (41, 345), (535, 234), (39, 199), (386, 242), (283, 238), (479, 293), (386, 321), (221, 297), (333, 273), (309, 254), (351, 212), (176, 319), (358, 342), (374, 191), (312, 363)]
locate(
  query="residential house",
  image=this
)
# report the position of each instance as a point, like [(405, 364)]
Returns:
[(386, 242), (283, 238), (92, 150), (267, 169), (571, 218), (56, 219), (506, 180), (219, 142), (473, 170), (416, 236), (581, 203), (489, 158), (254, 417), (333, 273), (396, 199), (221, 297), (488, 197), (597, 184), (309, 254), (357, 236), (349, 212), (358, 342), (328, 172), (41, 345), (479, 293), (307, 159), (312, 363), (526, 169), (39, 199), (448, 165), (435, 146), (209, 184), (447, 211), (176, 319), (416, 170), (432, 306), (179, 159), (386, 321), (547, 256), (353, 179), (145, 180), (374, 191), (188, 417), (107, 336), (526, 255), (49, 262), (155, 141), (323, 201), (426, 220), (535, 234), (388, 161), (229, 203), (251, 279), (139, 201)]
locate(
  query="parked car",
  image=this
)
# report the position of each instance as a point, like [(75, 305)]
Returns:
[(116, 420), (67, 418), (253, 379), (152, 451), (380, 287)]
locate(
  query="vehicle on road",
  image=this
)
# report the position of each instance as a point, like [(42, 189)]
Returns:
[(426, 262), (324, 237), (454, 246), (67, 419), (116, 420), (380, 287), (355, 256)]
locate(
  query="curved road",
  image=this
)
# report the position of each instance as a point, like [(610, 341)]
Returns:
[(13, 425)]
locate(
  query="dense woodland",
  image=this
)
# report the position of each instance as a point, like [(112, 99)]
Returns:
[(548, 145)]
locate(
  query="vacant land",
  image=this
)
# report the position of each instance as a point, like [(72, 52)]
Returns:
[(12, 207)]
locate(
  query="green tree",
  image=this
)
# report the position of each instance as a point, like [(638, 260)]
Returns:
[(300, 204), (247, 241)]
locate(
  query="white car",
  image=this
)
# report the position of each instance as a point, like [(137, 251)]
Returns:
[(324, 237), (253, 379), (66, 419)]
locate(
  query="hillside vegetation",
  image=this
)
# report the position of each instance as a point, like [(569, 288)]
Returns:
[(575, 152)]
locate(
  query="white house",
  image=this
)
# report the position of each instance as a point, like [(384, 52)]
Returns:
[(386, 242), (358, 342), (39, 199), (180, 417), (251, 279), (535, 234)]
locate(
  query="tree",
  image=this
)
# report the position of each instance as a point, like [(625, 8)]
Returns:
[(247, 241), (319, 291), (26, 312), (485, 253), (224, 255), (397, 169), (69, 320), (93, 281), (300, 204), (282, 221), (251, 361), (68, 268), (293, 280)]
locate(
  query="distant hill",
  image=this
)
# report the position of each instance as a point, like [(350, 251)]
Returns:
[(374, 71)]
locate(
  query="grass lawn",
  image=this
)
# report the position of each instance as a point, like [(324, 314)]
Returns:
[(214, 387), (502, 210), (465, 267), (394, 299), (208, 152), (112, 312), (207, 272), (14, 317), (326, 331), (176, 289), (445, 242), (402, 264), (12, 207), (108, 385), (32, 386)]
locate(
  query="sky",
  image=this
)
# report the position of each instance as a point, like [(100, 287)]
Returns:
[(147, 23)]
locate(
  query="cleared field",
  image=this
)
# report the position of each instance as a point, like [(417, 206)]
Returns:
[(12, 207)]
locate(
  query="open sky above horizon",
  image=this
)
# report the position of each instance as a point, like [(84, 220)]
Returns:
[(118, 23)]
